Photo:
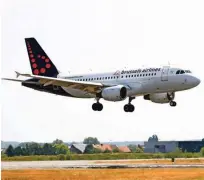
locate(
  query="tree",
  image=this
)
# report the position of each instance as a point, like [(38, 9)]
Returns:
[(18, 151), (153, 138), (61, 149), (116, 150), (203, 139), (10, 151), (139, 150), (107, 151), (57, 141), (91, 140), (48, 149), (132, 147)]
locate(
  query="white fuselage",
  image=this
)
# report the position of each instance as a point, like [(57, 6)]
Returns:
[(139, 81)]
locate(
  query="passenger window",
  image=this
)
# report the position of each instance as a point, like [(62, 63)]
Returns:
[(155, 74), (121, 76)]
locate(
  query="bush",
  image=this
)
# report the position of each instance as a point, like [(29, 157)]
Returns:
[(67, 157), (202, 151), (61, 157)]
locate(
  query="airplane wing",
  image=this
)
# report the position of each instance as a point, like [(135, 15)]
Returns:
[(89, 87)]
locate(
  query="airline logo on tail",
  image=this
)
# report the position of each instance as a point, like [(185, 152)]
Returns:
[(39, 60)]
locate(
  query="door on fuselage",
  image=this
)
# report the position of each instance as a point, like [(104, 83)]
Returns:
[(164, 74)]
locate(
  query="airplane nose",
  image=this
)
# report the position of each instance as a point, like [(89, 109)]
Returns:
[(196, 81)]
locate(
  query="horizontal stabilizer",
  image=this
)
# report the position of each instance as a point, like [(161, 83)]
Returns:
[(9, 79)]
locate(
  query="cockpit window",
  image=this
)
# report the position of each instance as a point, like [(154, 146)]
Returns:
[(178, 72), (187, 71), (182, 72)]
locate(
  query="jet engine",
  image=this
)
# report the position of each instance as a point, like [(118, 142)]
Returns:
[(160, 97), (115, 93)]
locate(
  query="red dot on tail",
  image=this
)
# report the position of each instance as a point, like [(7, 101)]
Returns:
[(47, 66), (39, 56), (34, 65), (47, 60), (43, 57), (42, 70), (31, 56), (36, 72), (33, 60)]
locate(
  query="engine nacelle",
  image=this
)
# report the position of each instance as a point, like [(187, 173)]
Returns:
[(160, 97), (115, 93)]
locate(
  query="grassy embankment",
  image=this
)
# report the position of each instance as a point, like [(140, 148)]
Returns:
[(103, 156)]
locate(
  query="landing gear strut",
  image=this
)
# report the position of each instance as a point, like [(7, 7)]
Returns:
[(129, 107), (172, 103), (97, 106)]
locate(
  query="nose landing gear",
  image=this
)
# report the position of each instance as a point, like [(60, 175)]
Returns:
[(172, 103)]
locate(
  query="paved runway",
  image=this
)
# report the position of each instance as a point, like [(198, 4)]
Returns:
[(87, 164)]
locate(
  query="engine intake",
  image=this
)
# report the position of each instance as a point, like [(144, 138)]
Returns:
[(115, 93)]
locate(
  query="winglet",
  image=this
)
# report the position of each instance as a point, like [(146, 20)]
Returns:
[(17, 74)]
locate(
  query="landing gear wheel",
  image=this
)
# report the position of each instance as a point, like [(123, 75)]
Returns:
[(97, 107), (129, 108), (100, 107), (172, 103), (94, 106), (126, 108)]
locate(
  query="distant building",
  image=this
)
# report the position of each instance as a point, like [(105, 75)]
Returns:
[(154, 146), (78, 148), (104, 147), (124, 149)]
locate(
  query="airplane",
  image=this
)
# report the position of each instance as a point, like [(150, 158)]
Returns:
[(157, 85)]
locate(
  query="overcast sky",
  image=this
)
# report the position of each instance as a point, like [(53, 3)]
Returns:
[(84, 36)]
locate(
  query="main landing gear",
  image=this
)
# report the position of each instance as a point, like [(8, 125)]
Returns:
[(129, 107), (97, 106), (172, 103)]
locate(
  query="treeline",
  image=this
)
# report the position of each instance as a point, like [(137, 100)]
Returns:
[(32, 148)]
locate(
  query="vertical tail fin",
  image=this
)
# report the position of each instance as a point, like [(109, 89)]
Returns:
[(40, 63)]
